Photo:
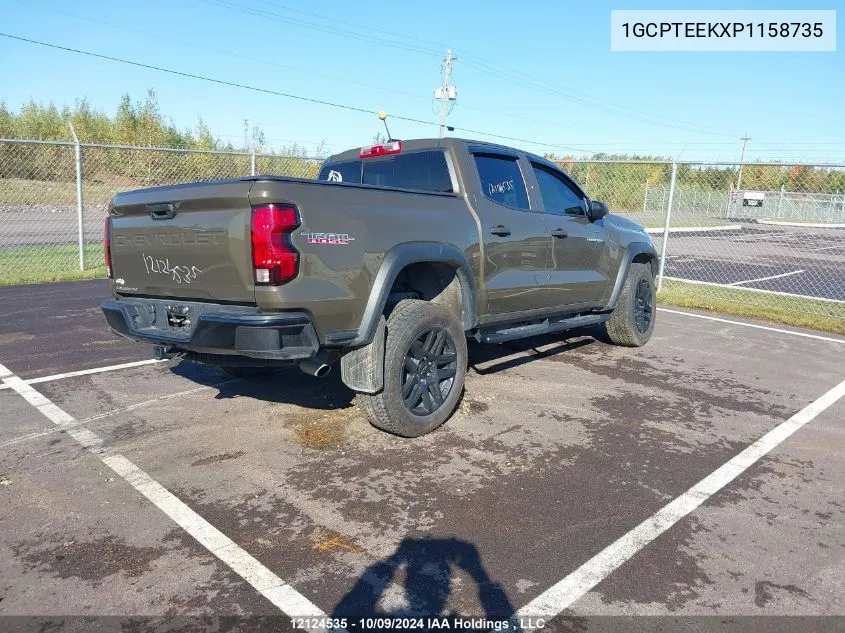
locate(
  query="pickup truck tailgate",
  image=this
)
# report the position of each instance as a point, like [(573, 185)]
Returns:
[(185, 241)]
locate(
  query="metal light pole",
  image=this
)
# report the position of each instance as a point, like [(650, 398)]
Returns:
[(663, 246), (79, 208)]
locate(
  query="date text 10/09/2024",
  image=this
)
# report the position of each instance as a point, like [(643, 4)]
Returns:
[(514, 623)]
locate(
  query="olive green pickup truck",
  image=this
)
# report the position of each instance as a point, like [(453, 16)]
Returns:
[(385, 263)]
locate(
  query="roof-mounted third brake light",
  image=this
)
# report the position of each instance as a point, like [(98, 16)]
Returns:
[(383, 149)]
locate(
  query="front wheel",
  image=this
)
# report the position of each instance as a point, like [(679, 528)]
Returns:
[(425, 359), (632, 322)]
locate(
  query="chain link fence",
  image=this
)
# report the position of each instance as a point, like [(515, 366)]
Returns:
[(765, 239), (53, 206), (790, 206)]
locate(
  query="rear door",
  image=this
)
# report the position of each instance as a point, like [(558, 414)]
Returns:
[(577, 277), (516, 238), (186, 241)]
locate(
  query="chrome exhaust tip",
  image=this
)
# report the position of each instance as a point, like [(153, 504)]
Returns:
[(315, 367)]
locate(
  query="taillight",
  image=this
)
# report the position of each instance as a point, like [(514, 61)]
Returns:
[(274, 258), (107, 246), (370, 151)]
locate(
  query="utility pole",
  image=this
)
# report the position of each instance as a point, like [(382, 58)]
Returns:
[(744, 140), (446, 92), (246, 134)]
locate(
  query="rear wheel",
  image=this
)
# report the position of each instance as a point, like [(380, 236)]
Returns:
[(632, 322), (425, 362)]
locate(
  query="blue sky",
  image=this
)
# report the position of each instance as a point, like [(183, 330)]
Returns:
[(570, 90)]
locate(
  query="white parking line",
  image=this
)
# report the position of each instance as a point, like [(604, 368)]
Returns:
[(758, 290), (563, 594), (99, 416), (819, 337), (268, 584), (86, 372), (695, 229), (751, 281), (812, 225)]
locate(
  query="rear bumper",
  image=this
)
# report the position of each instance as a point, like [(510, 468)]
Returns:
[(213, 328)]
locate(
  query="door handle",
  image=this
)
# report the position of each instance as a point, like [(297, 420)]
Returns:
[(500, 230), (560, 233)]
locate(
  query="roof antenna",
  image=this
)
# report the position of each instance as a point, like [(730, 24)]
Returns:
[(383, 116)]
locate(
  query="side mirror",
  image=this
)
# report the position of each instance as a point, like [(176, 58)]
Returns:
[(597, 210)]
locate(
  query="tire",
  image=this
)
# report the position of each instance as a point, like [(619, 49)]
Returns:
[(245, 373), (425, 354), (632, 322)]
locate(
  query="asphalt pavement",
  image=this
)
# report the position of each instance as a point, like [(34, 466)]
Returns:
[(807, 261), (561, 447)]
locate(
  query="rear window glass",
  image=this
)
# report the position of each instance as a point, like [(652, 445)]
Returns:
[(425, 171), (421, 170), (342, 172), (501, 180)]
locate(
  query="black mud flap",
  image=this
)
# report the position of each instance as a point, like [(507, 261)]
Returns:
[(362, 369)]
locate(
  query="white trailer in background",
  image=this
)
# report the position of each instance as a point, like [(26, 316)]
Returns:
[(753, 198)]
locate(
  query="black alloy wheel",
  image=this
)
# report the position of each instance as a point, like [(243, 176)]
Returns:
[(643, 306), (429, 371)]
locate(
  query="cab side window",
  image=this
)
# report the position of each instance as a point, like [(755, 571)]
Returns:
[(501, 180), (559, 196)]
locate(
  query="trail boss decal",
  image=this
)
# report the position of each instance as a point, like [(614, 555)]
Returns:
[(332, 239)]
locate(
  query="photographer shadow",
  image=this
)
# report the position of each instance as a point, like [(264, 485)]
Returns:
[(426, 566)]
